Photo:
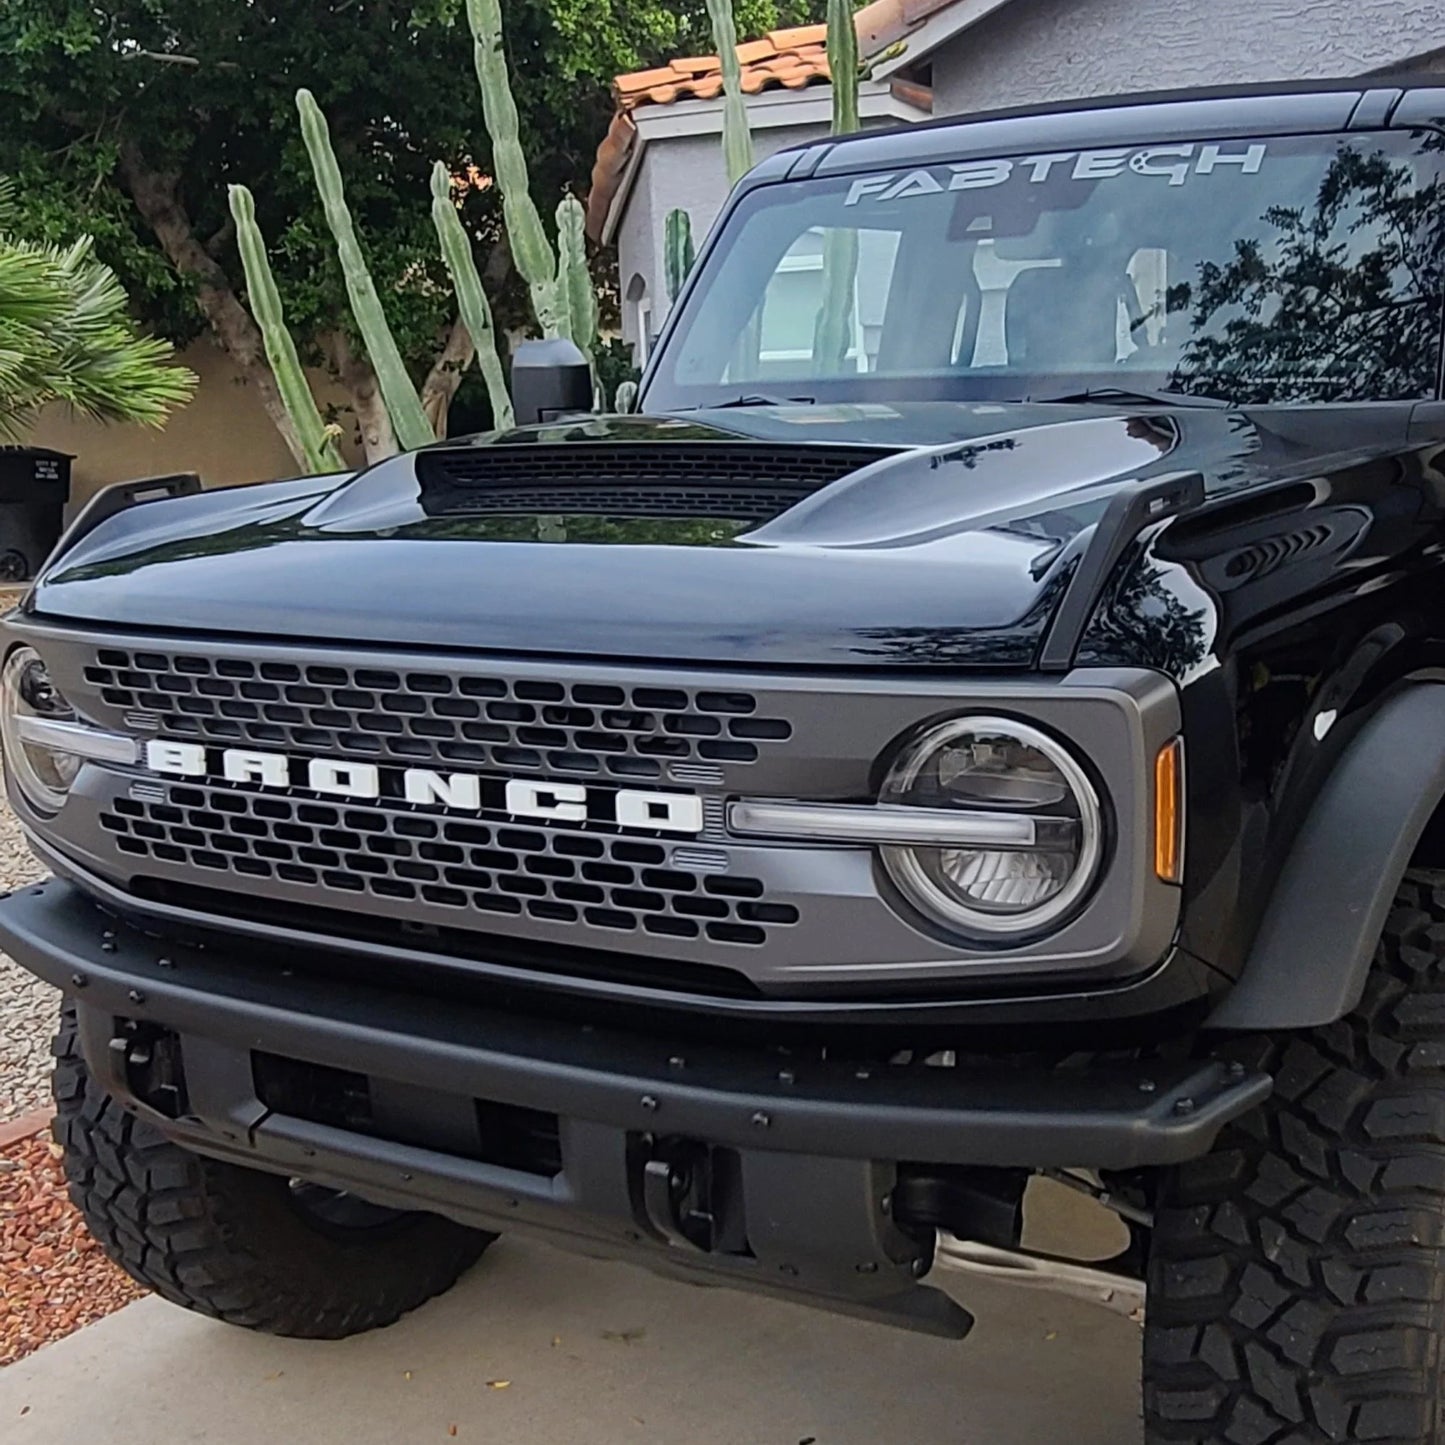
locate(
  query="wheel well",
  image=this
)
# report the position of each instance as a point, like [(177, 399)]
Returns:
[(1378, 813), (1430, 850)]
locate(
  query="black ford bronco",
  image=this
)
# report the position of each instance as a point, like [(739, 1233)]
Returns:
[(995, 729)]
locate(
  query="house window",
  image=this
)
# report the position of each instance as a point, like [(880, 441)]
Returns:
[(639, 311)]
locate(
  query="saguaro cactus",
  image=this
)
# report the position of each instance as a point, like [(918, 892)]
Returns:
[(472, 301), (833, 331), (737, 137), (677, 251), (530, 249), (843, 65), (402, 403), (318, 451), (574, 279)]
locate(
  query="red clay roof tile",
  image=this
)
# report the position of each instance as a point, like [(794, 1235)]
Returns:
[(791, 58)]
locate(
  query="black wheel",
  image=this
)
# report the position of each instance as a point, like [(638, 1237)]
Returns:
[(249, 1248), (14, 565), (1297, 1274)]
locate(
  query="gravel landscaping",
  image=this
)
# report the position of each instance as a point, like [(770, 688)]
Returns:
[(27, 1006), (53, 1276)]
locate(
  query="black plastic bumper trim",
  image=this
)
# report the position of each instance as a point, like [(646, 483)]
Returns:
[(1179, 981), (1120, 1117)]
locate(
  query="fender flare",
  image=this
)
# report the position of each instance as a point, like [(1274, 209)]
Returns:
[(1312, 951)]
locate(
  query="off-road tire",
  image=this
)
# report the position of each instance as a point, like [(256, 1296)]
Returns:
[(230, 1242), (1296, 1288)]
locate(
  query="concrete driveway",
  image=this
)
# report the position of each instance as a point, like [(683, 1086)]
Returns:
[(594, 1354)]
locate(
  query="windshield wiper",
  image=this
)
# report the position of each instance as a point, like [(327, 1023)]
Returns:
[(758, 398), (1127, 394)]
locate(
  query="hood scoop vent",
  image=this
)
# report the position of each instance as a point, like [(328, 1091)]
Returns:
[(736, 481)]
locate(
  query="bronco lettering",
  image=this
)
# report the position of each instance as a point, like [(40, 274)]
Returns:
[(456, 792)]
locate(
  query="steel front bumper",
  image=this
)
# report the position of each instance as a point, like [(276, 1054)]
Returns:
[(799, 1158)]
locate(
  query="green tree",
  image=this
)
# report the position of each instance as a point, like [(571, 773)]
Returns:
[(65, 336), (1334, 301), (128, 119)]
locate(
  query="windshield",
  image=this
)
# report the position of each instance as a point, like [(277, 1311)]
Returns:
[(1288, 269)]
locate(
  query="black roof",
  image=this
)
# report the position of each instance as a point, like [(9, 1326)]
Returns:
[(1279, 107)]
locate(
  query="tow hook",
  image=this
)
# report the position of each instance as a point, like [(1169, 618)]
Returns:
[(148, 1059), (691, 1196)]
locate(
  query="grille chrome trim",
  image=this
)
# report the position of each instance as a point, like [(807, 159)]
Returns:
[(881, 823), (78, 739)]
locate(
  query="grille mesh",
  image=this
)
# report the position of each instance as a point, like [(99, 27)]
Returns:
[(740, 503), (740, 480), (459, 872), (422, 718)]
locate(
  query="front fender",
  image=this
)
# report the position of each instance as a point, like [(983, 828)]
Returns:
[(1314, 945)]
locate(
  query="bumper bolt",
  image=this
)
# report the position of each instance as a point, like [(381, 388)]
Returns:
[(1236, 1069), (407, 1178), (786, 1076), (1147, 1086), (867, 1267), (863, 1074), (791, 1270), (762, 1120), (107, 945), (136, 996), (165, 963), (78, 980), (886, 1204), (1184, 1106), (677, 1062), (649, 1102)]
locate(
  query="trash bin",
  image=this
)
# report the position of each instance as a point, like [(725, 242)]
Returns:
[(34, 488)]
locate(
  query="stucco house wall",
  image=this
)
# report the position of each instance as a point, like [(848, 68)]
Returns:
[(684, 172), (224, 434), (681, 166), (1032, 51)]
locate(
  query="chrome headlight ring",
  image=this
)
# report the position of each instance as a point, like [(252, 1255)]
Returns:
[(974, 764), (40, 773)]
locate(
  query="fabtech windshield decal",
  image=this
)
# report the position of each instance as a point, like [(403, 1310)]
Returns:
[(1175, 164)]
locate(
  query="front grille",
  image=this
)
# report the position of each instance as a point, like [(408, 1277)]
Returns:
[(422, 718), (447, 871)]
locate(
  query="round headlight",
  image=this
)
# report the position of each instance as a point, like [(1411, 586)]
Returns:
[(988, 765), (42, 775)]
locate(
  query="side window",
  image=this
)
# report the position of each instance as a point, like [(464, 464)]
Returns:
[(795, 294), (790, 307)]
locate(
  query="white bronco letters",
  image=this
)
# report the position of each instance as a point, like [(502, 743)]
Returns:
[(461, 792)]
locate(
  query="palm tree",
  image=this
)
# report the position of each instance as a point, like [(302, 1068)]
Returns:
[(66, 336)]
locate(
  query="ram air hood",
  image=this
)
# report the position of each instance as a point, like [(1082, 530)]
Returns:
[(929, 534)]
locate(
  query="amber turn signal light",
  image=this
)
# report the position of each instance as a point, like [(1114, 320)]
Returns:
[(1169, 812)]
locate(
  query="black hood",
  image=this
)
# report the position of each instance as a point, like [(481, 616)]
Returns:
[(933, 533)]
